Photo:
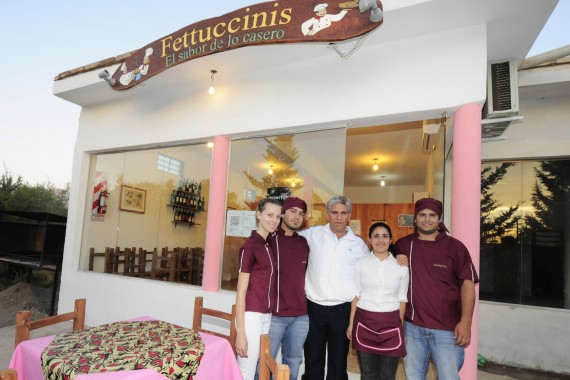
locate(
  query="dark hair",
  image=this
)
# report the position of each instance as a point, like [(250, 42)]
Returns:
[(264, 202), (387, 227)]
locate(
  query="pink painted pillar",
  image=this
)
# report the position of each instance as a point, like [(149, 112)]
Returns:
[(466, 204), (216, 214)]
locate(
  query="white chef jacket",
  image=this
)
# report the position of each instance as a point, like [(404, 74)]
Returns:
[(330, 273), (381, 284)]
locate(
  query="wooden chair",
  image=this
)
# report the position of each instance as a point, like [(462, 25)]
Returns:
[(200, 311), (122, 258), (268, 365), (107, 253), (164, 265), (197, 254), (140, 263), (8, 374), (183, 265), (24, 325)]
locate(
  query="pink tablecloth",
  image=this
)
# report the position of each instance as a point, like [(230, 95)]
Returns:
[(218, 362)]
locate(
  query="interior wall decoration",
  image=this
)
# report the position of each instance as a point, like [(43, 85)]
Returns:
[(132, 199)]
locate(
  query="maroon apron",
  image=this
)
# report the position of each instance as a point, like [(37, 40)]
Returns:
[(378, 333)]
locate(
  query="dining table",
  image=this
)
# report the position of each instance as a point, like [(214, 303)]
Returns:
[(217, 362)]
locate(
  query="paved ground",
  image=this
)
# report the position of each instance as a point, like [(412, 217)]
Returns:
[(491, 372)]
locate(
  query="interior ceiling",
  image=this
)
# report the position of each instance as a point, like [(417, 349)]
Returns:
[(399, 153)]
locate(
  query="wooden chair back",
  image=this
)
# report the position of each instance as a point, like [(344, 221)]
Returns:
[(140, 264), (8, 374), (200, 311), (24, 325), (164, 265), (106, 254), (122, 257), (183, 265), (197, 254), (267, 364)]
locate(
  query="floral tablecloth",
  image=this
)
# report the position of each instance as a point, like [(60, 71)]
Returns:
[(172, 350)]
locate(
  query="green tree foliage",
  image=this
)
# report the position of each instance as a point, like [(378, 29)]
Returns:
[(493, 227), (17, 195), (8, 186), (550, 196)]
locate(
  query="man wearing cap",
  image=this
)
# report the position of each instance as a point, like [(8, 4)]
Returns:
[(289, 320), (441, 295)]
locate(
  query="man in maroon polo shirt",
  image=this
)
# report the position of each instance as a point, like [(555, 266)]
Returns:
[(289, 320), (441, 295)]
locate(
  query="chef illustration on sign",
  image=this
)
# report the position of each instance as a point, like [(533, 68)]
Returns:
[(321, 21), (138, 72)]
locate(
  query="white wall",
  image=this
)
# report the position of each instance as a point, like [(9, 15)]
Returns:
[(387, 194), (407, 80), (525, 336)]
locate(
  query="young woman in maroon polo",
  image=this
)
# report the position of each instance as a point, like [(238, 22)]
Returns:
[(255, 288)]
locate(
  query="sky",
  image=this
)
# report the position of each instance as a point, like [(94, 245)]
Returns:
[(40, 39)]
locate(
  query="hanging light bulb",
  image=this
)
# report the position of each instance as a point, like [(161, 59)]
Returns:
[(375, 167), (382, 182), (212, 90), (270, 171), (293, 183)]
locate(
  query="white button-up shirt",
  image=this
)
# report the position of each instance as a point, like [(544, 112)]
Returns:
[(381, 284), (332, 262)]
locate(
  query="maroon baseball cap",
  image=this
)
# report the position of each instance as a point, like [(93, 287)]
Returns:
[(430, 204), (293, 202)]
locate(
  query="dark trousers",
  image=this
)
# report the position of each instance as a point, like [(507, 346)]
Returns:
[(327, 333), (377, 367)]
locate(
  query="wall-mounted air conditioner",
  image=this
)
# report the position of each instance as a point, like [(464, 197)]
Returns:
[(502, 90)]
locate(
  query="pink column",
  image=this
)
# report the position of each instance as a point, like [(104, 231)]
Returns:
[(216, 214), (466, 204)]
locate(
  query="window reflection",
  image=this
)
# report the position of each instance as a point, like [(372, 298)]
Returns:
[(524, 226), (162, 238)]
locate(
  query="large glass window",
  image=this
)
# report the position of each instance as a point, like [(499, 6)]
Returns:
[(525, 224), (153, 203), (318, 165), (280, 165)]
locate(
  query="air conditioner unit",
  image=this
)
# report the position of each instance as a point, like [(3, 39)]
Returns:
[(502, 90)]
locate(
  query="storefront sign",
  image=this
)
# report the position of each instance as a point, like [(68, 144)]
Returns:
[(275, 22)]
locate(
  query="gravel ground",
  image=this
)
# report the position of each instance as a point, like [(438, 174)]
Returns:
[(23, 296)]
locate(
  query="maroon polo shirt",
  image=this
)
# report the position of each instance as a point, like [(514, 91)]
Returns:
[(292, 257), (437, 271), (257, 259)]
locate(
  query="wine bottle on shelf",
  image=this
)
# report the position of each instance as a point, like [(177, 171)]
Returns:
[(173, 197), (199, 188)]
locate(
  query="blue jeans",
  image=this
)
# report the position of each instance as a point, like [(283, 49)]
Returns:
[(289, 333), (423, 343)]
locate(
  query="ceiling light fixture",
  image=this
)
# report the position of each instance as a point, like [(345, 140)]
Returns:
[(270, 171), (375, 167), (293, 183), (382, 182), (212, 90)]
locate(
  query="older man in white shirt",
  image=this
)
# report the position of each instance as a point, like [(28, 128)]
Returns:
[(330, 288)]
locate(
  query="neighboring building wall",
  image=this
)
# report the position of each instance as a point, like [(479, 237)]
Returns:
[(526, 336)]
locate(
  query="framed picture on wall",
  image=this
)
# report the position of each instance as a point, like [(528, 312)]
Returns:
[(405, 220), (132, 199)]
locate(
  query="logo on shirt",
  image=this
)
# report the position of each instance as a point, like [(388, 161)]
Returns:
[(440, 266)]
